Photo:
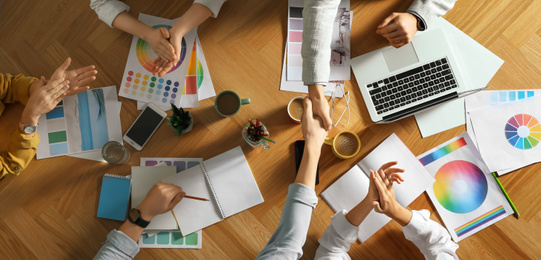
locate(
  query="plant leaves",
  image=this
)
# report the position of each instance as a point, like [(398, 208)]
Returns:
[(175, 109), (179, 131)]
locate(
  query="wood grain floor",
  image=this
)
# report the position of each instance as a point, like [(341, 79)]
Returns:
[(49, 211)]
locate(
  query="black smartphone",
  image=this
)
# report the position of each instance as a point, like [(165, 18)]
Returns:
[(299, 149)]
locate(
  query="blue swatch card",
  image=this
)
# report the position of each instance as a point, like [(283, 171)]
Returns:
[(114, 196)]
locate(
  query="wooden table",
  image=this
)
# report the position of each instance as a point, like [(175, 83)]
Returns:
[(49, 211)]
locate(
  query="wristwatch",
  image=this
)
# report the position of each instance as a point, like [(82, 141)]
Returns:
[(135, 217), (28, 129)]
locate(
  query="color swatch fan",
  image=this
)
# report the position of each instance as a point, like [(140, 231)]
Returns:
[(138, 82), (465, 194)]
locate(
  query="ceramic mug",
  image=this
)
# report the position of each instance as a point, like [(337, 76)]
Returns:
[(228, 103), (295, 108), (345, 144)]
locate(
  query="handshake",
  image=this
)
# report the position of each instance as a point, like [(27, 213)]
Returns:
[(167, 44)]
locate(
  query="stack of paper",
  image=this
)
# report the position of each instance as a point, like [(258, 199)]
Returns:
[(340, 54), (184, 85), (506, 128)]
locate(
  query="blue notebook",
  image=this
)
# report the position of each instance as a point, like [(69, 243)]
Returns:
[(114, 196)]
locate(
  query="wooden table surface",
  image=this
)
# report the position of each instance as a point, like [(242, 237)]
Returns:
[(49, 211)]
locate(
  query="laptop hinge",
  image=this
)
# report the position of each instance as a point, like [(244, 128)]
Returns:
[(417, 108)]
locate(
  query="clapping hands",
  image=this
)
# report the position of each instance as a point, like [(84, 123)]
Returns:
[(168, 45)]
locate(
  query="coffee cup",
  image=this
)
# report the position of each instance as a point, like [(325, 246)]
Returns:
[(345, 144), (295, 108), (228, 103)]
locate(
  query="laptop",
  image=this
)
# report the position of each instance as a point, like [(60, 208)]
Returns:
[(396, 83)]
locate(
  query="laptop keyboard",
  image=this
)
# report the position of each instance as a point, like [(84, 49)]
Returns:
[(413, 85)]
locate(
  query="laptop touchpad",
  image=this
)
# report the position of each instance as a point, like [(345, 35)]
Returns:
[(401, 57)]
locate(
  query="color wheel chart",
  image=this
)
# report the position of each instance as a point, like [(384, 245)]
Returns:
[(465, 195), (139, 84), (523, 131)]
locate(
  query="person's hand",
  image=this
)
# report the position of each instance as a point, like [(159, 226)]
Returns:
[(44, 98), (320, 105), (161, 66), (158, 39), (161, 198), (390, 174), (312, 126), (78, 78), (387, 203), (398, 28)]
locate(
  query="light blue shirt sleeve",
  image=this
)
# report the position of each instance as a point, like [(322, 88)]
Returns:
[(118, 246), (290, 235)]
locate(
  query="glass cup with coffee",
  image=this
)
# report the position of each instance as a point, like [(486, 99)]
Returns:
[(295, 109), (345, 144), (228, 103)]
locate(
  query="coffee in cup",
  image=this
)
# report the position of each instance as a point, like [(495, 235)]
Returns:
[(295, 109), (345, 144), (228, 103)]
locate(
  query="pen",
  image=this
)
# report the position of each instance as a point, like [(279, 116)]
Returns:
[(506, 195), (195, 198)]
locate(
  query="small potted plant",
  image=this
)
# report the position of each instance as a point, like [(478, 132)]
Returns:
[(180, 120)]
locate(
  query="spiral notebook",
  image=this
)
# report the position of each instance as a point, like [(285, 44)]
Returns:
[(114, 196), (226, 180)]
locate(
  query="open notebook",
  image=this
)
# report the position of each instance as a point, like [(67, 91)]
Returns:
[(352, 187), (226, 180)]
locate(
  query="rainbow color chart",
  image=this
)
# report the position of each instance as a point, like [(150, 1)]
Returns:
[(460, 186), (146, 55), (465, 193), (140, 84), (523, 131)]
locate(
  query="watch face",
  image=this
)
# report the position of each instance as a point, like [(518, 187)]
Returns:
[(133, 215), (29, 129)]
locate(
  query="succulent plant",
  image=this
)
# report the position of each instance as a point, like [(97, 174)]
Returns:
[(179, 120)]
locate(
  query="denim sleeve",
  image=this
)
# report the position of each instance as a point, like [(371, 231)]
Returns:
[(290, 235), (118, 246)]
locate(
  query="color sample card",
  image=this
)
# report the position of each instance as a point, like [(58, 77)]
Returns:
[(197, 85), (138, 82), (181, 163), (340, 43), (508, 133), (171, 239), (465, 194), (80, 123)]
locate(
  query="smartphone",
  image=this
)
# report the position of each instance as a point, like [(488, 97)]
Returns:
[(299, 149), (144, 126)]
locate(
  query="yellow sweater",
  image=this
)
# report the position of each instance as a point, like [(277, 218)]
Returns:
[(20, 150)]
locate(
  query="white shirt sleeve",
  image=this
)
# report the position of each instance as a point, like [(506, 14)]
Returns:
[(431, 9), (213, 5), (108, 10), (430, 237)]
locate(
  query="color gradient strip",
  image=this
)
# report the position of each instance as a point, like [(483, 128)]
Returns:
[(480, 221), (443, 151)]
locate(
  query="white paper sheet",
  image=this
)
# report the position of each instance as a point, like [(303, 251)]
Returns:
[(479, 65)]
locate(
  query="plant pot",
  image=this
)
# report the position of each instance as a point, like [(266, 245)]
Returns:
[(188, 129)]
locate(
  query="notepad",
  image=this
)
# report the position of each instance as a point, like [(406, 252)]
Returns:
[(114, 196), (352, 187), (143, 180), (226, 180)]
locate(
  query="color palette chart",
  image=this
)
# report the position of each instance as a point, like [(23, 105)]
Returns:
[(80, 124), (523, 131), (56, 131), (294, 44), (138, 81), (171, 239), (465, 194)]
